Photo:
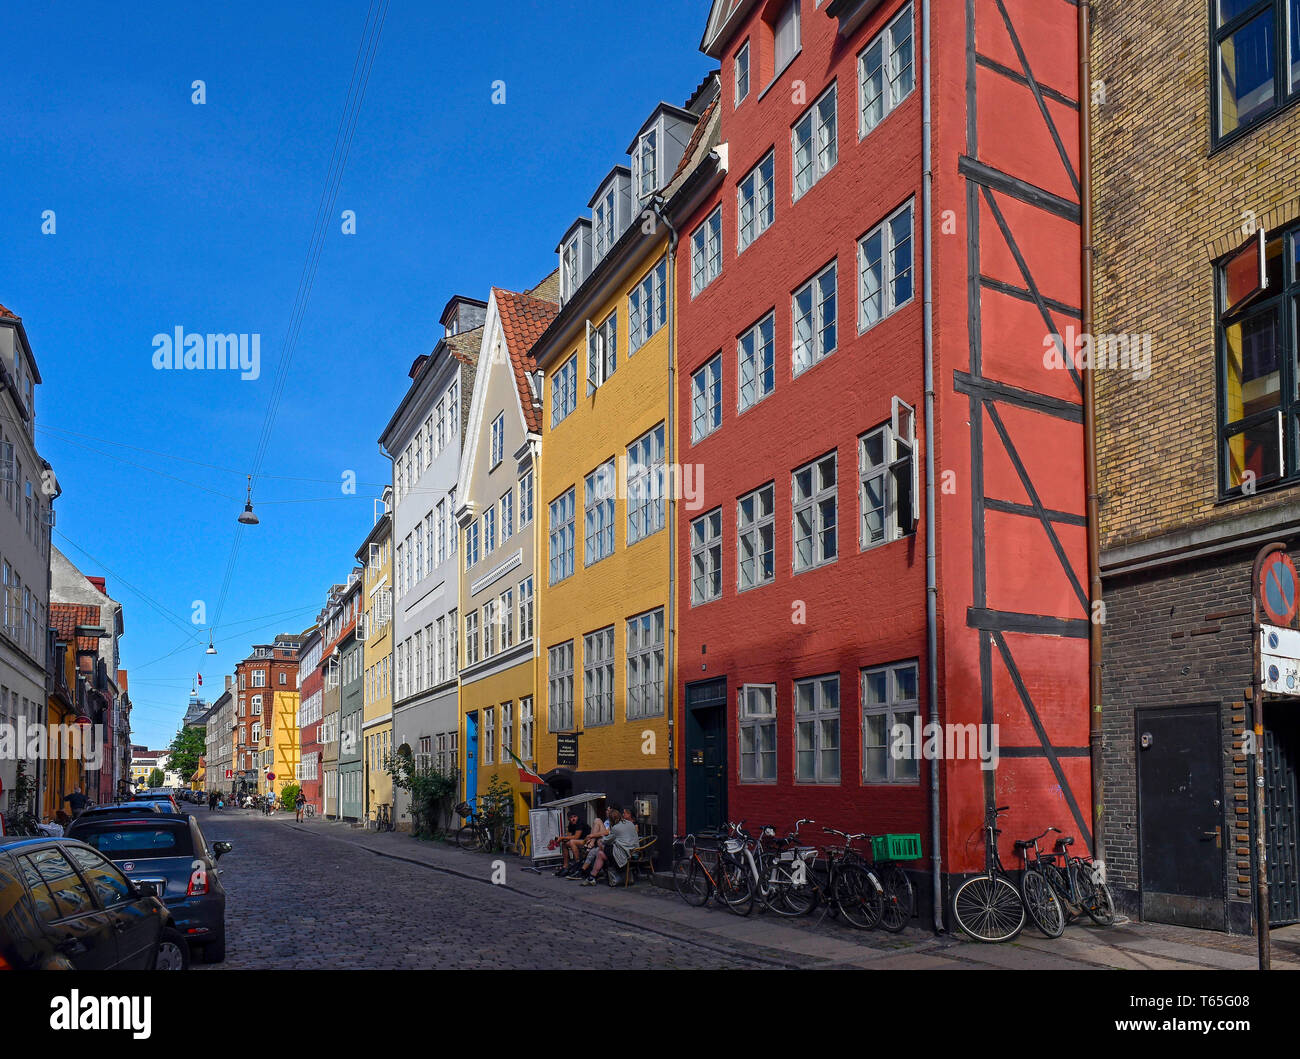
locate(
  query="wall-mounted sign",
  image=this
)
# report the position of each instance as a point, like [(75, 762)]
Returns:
[(1277, 588), (566, 750)]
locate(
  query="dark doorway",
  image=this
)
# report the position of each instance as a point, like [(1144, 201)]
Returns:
[(1180, 816), (1281, 758), (706, 754)]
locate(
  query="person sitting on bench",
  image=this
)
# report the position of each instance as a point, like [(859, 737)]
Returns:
[(571, 847), (618, 847)]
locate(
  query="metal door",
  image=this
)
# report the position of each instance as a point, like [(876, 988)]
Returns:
[(471, 756), (1281, 758), (1181, 817)]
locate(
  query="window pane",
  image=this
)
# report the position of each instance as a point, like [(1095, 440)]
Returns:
[(1246, 73), (1253, 352), (1230, 9), (1293, 51)]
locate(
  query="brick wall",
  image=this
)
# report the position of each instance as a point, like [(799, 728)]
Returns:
[(1163, 206)]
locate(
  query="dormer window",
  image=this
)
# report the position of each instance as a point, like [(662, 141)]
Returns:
[(647, 155), (569, 268), (603, 220)]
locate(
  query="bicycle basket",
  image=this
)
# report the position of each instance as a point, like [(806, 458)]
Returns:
[(896, 847), (733, 845)]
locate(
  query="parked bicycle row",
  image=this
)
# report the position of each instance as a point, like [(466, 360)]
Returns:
[(1056, 887), (790, 877)]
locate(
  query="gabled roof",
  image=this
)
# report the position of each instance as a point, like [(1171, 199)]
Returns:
[(523, 320), (64, 619), (688, 156), (7, 314)]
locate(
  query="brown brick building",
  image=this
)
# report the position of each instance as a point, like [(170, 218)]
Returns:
[(1195, 141)]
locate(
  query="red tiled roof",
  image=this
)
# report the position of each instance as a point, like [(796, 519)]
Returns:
[(689, 154), (8, 315), (65, 617), (523, 320)]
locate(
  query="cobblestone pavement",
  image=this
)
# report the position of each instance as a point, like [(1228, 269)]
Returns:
[(325, 895), (299, 898)]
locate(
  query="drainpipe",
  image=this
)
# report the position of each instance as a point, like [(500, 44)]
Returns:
[(1090, 443), (670, 448), (931, 577)]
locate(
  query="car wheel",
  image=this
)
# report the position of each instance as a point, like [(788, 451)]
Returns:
[(214, 951), (173, 952)]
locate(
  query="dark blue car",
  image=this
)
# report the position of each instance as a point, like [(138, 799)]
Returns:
[(171, 853)]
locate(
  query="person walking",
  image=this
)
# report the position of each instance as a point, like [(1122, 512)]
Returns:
[(77, 802), (298, 804)]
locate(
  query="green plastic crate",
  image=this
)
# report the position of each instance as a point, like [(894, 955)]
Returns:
[(896, 847)]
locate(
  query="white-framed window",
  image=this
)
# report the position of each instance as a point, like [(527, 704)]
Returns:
[(489, 735), (471, 544), (785, 44), (564, 391), (507, 505), (742, 73), (569, 268), (440, 644), (559, 687), (706, 399), (885, 72), (506, 616), (525, 498), (706, 252), (507, 731), (418, 564), (598, 677), (756, 717), (602, 351), (706, 557), (417, 661), (526, 728), (645, 492), (560, 536), (756, 363), (471, 637), (526, 609), (885, 272), (887, 470), (647, 306), (598, 514), (817, 730), (498, 439), (490, 530), (440, 530), (489, 628), (603, 221), (756, 538), (259, 678), (645, 665), (647, 163), (814, 143), (453, 651), (816, 530), (755, 203), (889, 710), (814, 333), (255, 705)]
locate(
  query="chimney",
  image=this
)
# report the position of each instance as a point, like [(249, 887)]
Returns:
[(229, 679)]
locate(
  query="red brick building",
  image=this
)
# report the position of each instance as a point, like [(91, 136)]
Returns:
[(270, 668), (807, 317)]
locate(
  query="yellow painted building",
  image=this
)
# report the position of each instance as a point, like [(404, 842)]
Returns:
[(497, 518), (376, 555), (605, 497), (280, 746)]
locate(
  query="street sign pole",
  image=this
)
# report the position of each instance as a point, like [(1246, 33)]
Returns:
[(1257, 722)]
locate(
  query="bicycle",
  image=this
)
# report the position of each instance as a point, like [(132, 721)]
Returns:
[(728, 880), (521, 845), (786, 867), (308, 811), (898, 899), (383, 818), (1037, 891), (1080, 886), (473, 835), (989, 907), (853, 890)]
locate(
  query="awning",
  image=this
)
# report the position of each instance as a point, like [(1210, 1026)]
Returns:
[(577, 799)]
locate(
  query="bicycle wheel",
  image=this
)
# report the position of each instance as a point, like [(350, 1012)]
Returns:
[(784, 897), (988, 908), (1060, 884), (1095, 896), (470, 838), (1042, 904), (858, 894), (898, 901), (692, 883), (736, 887)]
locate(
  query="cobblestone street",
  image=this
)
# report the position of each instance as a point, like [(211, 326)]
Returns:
[(323, 895)]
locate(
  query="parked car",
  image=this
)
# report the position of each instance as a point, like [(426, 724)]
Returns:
[(171, 852), (101, 812), (64, 906), (164, 805), (158, 795)]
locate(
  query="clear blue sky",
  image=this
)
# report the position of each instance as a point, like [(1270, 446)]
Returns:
[(170, 214)]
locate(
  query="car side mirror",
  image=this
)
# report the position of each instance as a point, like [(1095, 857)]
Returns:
[(221, 848), (147, 889)]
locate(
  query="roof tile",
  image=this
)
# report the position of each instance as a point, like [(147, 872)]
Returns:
[(523, 320)]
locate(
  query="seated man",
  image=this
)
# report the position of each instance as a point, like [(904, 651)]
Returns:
[(571, 847), (599, 831), (617, 847)]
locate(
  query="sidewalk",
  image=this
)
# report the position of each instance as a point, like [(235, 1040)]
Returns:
[(810, 943)]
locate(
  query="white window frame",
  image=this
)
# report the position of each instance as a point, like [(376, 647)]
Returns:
[(755, 722), (598, 489), (897, 468), (645, 485), (813, 501), (886, 45), (645, 665), (741, 64), (755, 354), (564, 391), (598, 678), (706, 251), (813, 692), (602, 351), (498, 440), (881, 280), (752, 530), (752, 189), (895, 709), (706, 398), (706, 557), (560, 536), (817, 127), (559, 687), (647, 306), (816, 347)]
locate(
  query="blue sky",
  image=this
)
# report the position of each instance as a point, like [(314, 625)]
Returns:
[(171, 214)]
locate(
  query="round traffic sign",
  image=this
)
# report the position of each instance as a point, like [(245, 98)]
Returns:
[(1277, 588)]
